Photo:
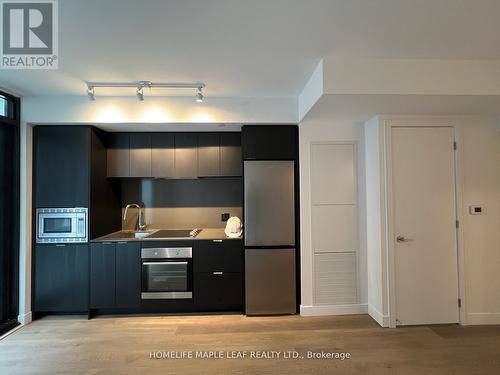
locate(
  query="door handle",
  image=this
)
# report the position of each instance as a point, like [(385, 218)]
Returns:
[(402, 239)]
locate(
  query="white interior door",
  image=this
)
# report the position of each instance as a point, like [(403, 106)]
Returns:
[(423, 173)]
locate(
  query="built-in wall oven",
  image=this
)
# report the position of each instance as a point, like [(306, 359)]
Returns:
[(61, 225), (167, 273)]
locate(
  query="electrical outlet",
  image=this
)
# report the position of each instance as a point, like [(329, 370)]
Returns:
[(224, 216)]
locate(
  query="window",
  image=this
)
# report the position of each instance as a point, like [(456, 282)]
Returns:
[(7, 106), (3, 106)]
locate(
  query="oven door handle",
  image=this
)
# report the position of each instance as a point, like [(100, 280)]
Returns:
[(153, 263)]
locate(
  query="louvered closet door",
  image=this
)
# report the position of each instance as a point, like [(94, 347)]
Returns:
[(334, 222)]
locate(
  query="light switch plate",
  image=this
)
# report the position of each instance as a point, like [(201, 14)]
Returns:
[(476, 210)]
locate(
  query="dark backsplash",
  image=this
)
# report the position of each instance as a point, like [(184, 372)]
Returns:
[(183, 203), (164, 193)]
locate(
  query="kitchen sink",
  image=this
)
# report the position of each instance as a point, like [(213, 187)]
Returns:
[(144, 233)]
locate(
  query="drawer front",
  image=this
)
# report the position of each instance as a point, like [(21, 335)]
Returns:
[(214, 255), (218, 292)]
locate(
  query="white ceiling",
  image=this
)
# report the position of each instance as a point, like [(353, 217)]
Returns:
[(258, 48)]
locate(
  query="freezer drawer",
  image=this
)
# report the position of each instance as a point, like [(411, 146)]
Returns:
[(269, 203), (270, 281)]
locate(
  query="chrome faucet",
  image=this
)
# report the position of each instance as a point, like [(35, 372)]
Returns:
[(140, 225)]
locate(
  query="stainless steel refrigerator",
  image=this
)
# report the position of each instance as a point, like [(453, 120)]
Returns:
[(269, 222)]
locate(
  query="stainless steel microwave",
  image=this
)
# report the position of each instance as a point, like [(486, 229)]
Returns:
[(62, 225)]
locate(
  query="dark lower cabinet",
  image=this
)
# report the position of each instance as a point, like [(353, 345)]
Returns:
[(102, 275), (218, 275), (128, 274), (61, 278), (218, 255), (115, 275), (218, 291)]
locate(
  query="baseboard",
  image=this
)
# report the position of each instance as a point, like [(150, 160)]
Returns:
[(333, 310), (380, 318), (25, 318), (483, 318)]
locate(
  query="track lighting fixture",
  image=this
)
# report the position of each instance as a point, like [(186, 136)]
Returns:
[(140, 93), (140, 85), (90, 93), (199, 95)]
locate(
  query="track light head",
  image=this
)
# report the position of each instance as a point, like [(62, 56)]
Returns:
[(140, 93), (199, 96), (91, 93)]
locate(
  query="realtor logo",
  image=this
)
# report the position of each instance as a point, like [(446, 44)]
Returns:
[(29, 34)]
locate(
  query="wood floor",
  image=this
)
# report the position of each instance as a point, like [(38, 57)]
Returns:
[(122, 345)]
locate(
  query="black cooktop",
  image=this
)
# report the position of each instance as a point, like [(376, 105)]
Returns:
[(173, 233)]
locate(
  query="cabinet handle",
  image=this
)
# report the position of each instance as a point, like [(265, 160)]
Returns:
[(216, 240), (217, 273), (60, 245)]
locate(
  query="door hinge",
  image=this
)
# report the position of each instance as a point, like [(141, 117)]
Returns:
[(457, 224), (454, 145), (459, 302)]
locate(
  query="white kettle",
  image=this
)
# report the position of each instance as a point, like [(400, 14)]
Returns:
[(233, 227)]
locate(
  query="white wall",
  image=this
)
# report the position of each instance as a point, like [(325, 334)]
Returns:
[(480, 169), (321, 125), (375, 249), (160, 110)]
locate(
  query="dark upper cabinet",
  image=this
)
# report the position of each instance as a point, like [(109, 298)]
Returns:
[(270, 142), (174, 155), (186, 155), (105, 194), (208, 154), (61, 278), (102, 275), (218, 255), (69, 167), (162, 154), (230, 154), (140, 155), (115, 275), (118, 155), (128, 274), (61, 166)]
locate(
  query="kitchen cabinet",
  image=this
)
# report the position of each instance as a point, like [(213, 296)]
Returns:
[(162, 154), (61, 166), (230, 154), (128, 274), (218, 255), (208, 154), (186, 155), (218, 275), (174, 155), (69, 169), (102, 275), (218, 291), (115, 275), (118, 160), (140, 155), (269, 142), (61, 278)]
